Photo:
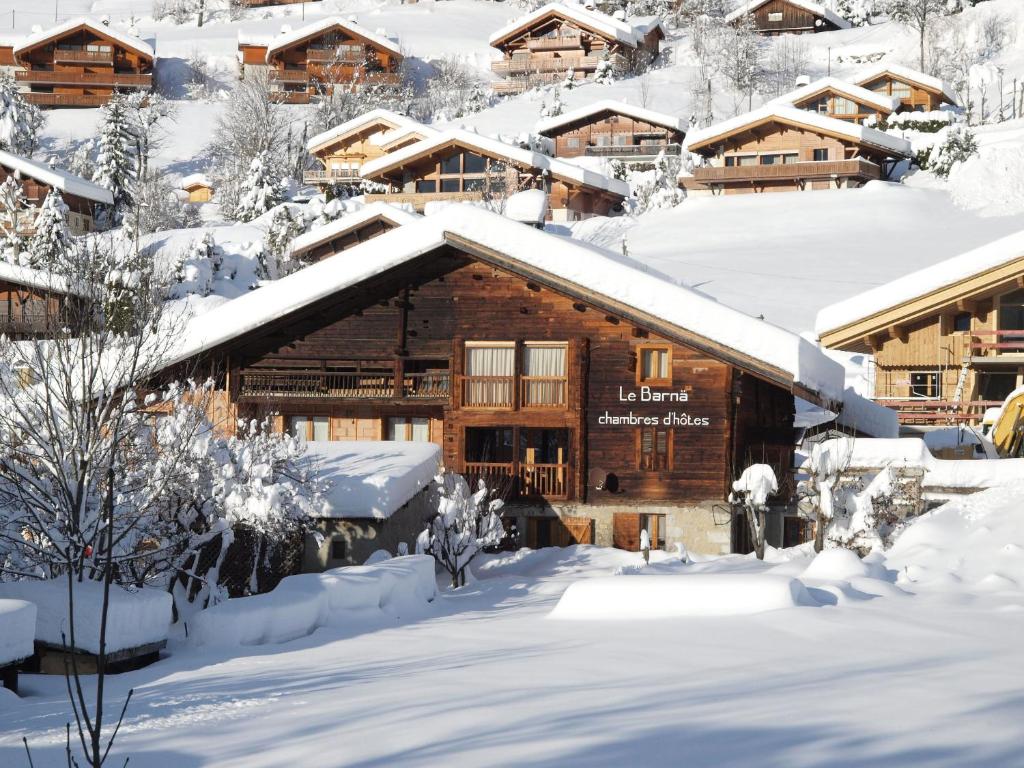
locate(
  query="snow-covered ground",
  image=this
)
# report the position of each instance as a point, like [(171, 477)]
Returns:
[(911, 659)]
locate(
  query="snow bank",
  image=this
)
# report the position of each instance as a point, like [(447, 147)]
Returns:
[(133, 619), (373, 479), (301, 604), (836, 565), (658, 597), (991, 182), (17, 630)]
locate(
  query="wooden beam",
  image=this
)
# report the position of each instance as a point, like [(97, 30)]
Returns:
[(967, 305), (897, 333)]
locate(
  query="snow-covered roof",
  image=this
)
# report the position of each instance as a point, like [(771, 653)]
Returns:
[(195, 180), (816, 8), (370, 478), (494, 148), (17, 630), (418, 131), (287, 39), (35, 278), (946, 273), (900, 72), (56, 178), (608, 105), (129, 41), (373, 117), (350, 221), (628, 32), (812, 120), (855, 92), (754, 344)]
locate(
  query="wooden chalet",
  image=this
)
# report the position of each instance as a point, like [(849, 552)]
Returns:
[(840, 100), (198, 188), (947, 340), (614, 129), (81, 63), (788, 17), (343, 150), (83, 198), (598, 398), (34, 304), (311, 60), (460, 166), (348, 231), (546, 45), (779, 148), (916, 91)]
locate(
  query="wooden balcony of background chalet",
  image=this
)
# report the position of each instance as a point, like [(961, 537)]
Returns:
[(83, 56), (58, 77), (559, 43), (419, 199), (291, 97), (350, 175), (29, 324), (534, 65), (633, 150), (828, 169), (497, 392), (258, 384), (67, 99), (289, 75), (521, 479), (331, 54), (918, 410)]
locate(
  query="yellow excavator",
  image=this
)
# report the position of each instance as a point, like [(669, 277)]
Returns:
[(1004, 426)]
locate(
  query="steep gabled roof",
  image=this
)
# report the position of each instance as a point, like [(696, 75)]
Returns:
[(561, 264), (45, 282), (816, 8), (628, 32), (288, 39), (340, 226), (920, 79), (195, 180), (56, 177), (887, 104), (391, 120), (801, 118), (494, 148), (940, 281), (617, 107), (128, 41)]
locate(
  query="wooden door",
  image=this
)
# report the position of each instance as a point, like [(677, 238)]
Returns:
[(626, 531)]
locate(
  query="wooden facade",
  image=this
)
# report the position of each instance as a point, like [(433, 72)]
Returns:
[(82, 211), (611, 132), (314, 59), (784, 17), (948, 356), (554, 41), (914, 95), (30, 312), (340, 240), (81, 64), (841, 104), (778, 152)]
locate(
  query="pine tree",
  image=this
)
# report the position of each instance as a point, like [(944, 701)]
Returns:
[(284, 227), (13, 213), (116, 163), (259, 192), (19, 121), (51, 239)]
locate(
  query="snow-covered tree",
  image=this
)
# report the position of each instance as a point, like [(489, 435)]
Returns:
[(751, 492), (156, 207), (284, 227), (465, 523), (787, 59), (552, 107), (857, 12), (116, 160), (14, 213), (50, 239), (605, 70), (260, 189), (453, 91), (660, 188), (958, 145), (20, 122), (823, 494), (921, 16), (739, 57), (197, 269)]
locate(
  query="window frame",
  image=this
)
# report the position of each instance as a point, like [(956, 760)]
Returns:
[(669, 458), (336, 542), (937, 378), (657, 381)]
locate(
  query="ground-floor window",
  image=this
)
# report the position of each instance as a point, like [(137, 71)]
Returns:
[(339, 549), (994, 385), (317, 428), (409, 429), (925, 384), (655, 527)]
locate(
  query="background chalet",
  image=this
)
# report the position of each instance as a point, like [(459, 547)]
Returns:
[(788, 17), (614, 129)]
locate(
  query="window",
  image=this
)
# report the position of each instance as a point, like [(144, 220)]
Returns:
[(775, 16), (1011, 311), (841, 106), (317, 428), (655, 527), (902, 90), (770, 159), (490, 372), (473, 163), (544, 379), (789, 159), (451, 164), (572, 142), (415, 429), (820, 106), (924, 384), (449, 185), (821, 155), (427, 186), (474, 185), (338, 549), (962, 322), (655, 449), (655, 365)]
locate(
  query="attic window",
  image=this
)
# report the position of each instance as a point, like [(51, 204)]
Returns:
[(775, 16)]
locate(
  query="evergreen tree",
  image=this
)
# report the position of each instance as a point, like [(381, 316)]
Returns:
[(51, 239), (13, 213), (284, 227), (116, 164), (260, 190), (19, 121)]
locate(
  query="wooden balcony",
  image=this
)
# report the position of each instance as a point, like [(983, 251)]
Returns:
[(634, 150), (419, 200), (291, 97), (289, 75), (334, 175), (521, 480), (994, 344), (558, 43), (331, 54), (256, 384), (107, 79), (543, 391), (496, 392), (535, 64), (67, 99), (28, 324), (82, 56), (804, 171), (938, 412)]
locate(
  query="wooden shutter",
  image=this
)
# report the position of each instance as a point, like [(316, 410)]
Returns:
[(579, 530), (626, 531)]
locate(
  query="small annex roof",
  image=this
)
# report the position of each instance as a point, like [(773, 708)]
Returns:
[(816, 8), (288, 39), (47, 282), (929, 83), (616, 287), (56, 177), (128, 41), (346, 223), (949, 274), (628, 32), (410, 132), (488, 146), (608, 105), (372, 479), (880, 101), (789, 114), (195, 180), (385, 117)]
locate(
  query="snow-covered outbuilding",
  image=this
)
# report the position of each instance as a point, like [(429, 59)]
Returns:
[(788, 17), (17, 639), (916, 91), (35, 303), (614, 129), (590, 392), (198, 187)]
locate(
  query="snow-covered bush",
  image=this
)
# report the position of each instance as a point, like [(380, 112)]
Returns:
[(20, 122), (872, 517), (552, 107), (605, 70), (259, 191), (751, 492), (857, 12), (197, 270), (156, 207), (453, 91), (661, 187), (465, 523), (958, 145)]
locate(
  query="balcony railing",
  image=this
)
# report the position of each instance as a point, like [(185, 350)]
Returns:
[(520, 479), (28, 324), (858, 168), (67, 99), (535, 64), (305, 384), (419, 200), (559, 43), (997, 342), (83, 56), (330, 175), (291, 97), (634, 150), (335, 54), (289, 75), (543, 391), (58, 77), (488, 391), (929, 411)]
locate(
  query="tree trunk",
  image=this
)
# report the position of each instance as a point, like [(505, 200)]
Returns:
[(819, 534)]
